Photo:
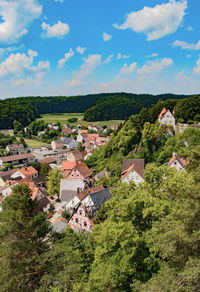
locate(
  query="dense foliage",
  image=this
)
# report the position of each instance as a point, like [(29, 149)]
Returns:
[(105, 106)]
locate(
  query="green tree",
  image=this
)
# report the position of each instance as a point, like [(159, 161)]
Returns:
[(7, 166), (18, 127), (53, 182), (44, 169), (80, 147), (23, 241)]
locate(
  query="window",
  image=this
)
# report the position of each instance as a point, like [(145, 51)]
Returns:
[(80, 212), (85, 224), (76, 220)]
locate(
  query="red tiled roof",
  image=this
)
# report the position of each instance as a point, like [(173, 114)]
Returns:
[(162, 113), (91, 137), (84, 194), (179, 159), (28, 171), (68, 165), (47, 160), (132, 167), (84, 170)]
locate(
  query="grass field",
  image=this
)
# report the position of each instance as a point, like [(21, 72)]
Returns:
[(34, 143), (62, 118)]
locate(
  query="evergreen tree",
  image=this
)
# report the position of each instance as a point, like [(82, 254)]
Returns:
[(53, 182), (23, 241)]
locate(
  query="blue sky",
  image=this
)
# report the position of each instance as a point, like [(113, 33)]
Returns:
[(72, 47)]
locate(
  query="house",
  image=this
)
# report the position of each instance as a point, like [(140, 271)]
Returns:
[(56, 145), (70, 205), (133, 173), (6, 175), (17, 160), (80, 136), (167, 118), (69, 142), (177, 162), (45, 147), (27, 172), (66, 126), (126, 163), (60, 224), (67, 131), (80, 221), (70, 188), (101, 174), (80, 172), (15, 149), (91, 138), (7, 189), (94, 200), (75, 155), (67, 166)]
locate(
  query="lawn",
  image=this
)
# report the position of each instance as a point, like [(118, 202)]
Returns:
[(62, 118), (34, 143)]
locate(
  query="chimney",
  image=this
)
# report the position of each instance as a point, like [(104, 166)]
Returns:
[(174, 154)]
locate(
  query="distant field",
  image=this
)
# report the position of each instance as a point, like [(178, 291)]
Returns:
[(34, 143), (62, 118)]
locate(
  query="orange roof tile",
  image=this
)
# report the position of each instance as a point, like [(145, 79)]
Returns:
[(84, 169), (84, 194), (68, 165), (28, 171), (162, 113), (132, 167)]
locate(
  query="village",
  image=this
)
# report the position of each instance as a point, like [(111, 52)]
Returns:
[(80, 196)]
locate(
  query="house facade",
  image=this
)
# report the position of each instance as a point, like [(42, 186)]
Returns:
[(80, 220), (133, 173), (17, 160), (167, 118), (177, 162)]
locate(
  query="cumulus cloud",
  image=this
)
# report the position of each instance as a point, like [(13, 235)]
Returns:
[(16, 17), (20, 64), (156, 22), (68, 55), (187, 46), (128, 69), (152, 55), (88, 66), (108, 59), (120, 56), (57, 30), (196, 69), (155, 66), (106, 37), (80, 50)]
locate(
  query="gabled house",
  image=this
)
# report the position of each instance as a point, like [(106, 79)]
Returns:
[(81, 196), (80, 221), (133, 173), (15, 149), (177, 162), (67, 166), (27, 172), (80, 172), (67, 131), (167, 118), (126, 163), (6, 175), (56, 145), (75, 155), (69, 142)]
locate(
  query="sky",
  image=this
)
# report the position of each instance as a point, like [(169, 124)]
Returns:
[(77, 47)]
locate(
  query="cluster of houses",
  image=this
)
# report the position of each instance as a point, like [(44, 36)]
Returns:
[(79, 197)]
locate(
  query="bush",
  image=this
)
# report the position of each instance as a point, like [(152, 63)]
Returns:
[(72, 120)]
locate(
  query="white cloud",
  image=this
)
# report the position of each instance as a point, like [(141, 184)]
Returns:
[(16, 16), (80, 50), (57, 30), (20, 64), (120, 56), (188, 56), (187, 46), (61, 1), (68, 55), (196, 69), (108, 59), (106, 37), (152, 55), (88, 66), (155, 67), (190, 28), (128, 69), (156, 22)]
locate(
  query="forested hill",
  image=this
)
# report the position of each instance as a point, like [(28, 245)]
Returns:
[(105, 106)]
